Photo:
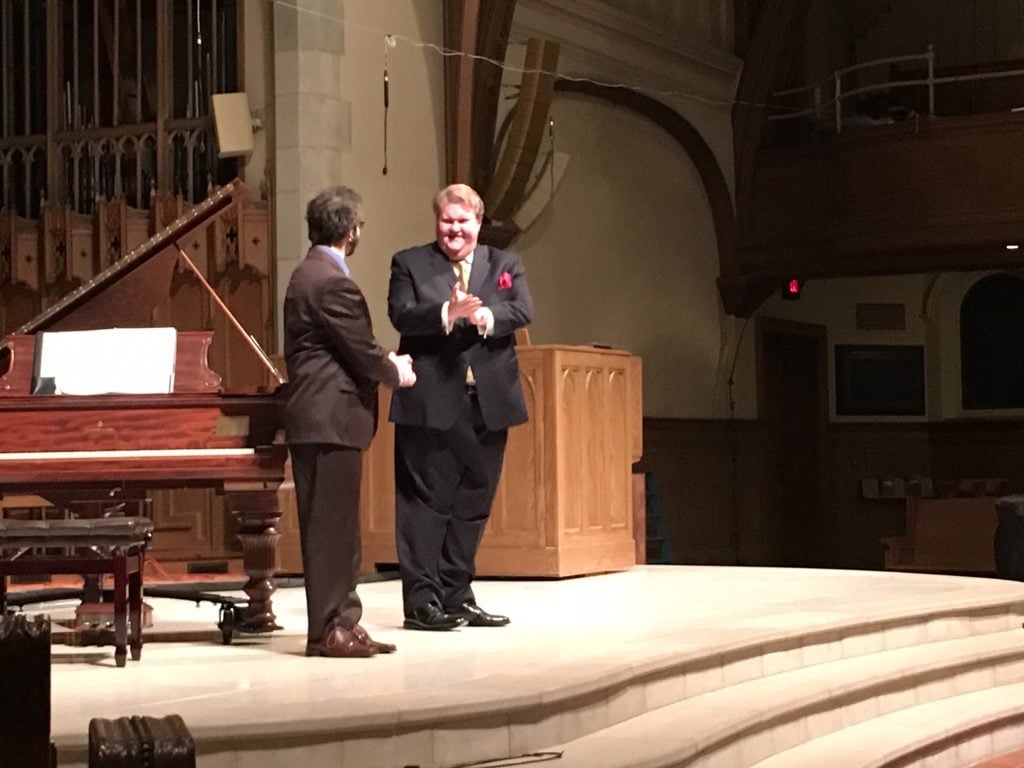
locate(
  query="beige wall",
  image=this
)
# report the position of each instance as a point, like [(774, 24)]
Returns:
[(630, 217), (625, 253), (397, 205)]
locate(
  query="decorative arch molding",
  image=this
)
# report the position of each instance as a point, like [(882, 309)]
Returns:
[(473, 85), (712, 178)]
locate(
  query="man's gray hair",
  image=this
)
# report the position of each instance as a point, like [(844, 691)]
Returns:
[(331, 214)]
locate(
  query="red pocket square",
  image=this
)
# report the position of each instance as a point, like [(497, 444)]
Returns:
[(504, 281)]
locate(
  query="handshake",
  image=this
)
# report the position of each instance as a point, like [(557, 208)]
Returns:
[(403, 363)]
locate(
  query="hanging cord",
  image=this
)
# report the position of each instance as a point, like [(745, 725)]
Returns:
[(389, 42), (551, 166)]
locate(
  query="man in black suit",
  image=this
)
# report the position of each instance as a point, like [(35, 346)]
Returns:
[(334, 367), (451, 427)]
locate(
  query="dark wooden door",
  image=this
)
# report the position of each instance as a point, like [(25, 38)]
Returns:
[(792, 372)]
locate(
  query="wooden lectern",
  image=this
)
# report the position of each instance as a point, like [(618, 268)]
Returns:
[(564, 504)]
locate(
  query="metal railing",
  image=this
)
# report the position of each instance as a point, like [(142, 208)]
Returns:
[(828, 102)]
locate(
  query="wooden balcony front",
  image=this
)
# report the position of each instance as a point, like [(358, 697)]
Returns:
[(919, 195)]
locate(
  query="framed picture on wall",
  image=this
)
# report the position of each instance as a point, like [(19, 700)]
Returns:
[(880, 380)]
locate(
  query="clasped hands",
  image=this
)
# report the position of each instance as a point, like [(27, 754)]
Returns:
[(406, 375), (466, 305)]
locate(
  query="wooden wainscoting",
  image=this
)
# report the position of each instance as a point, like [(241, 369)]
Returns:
[(978, 448), (711, 475), (871, 450)]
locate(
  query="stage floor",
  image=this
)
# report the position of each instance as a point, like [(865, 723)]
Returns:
[(262, 696)]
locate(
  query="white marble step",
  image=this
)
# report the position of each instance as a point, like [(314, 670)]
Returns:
[(955, 732), (739, 724)]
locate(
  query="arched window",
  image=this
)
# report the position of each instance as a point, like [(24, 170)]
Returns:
[(992, 343)]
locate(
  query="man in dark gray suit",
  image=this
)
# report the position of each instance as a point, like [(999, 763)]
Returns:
[(334, 367), (457, 305)]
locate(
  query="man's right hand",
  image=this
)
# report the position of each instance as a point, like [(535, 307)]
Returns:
[(403, 363), (462, 304)]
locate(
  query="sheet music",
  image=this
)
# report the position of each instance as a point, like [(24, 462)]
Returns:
[(131, 361)]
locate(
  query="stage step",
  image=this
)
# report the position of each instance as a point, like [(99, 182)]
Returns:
[(958, 731), (742, 724)]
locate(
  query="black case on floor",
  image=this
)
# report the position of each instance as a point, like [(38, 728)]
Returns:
[(25, 691), (141, 742)]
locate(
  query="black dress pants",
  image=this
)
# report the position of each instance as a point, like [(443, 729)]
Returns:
[(445, 481), (327, 480)]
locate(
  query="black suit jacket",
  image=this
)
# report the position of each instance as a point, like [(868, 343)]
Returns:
[(334, 362), (421, 281)]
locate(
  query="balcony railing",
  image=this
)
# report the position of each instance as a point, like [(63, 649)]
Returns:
[(105, 163), (885, 89)]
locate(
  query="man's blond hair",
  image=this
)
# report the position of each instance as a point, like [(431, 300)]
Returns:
[(462, 194)]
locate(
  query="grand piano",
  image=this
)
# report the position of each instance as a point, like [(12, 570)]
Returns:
[(73, 449)]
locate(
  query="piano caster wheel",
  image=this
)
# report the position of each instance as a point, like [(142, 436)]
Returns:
[(227, 623), (136, 651), (121, 657)]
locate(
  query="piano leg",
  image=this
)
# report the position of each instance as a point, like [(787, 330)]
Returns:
[(257, 514)]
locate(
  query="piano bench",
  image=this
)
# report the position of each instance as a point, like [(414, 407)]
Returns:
[(115, 545)]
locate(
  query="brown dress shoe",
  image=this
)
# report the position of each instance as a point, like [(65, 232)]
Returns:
[(340, 643), (363, 637)]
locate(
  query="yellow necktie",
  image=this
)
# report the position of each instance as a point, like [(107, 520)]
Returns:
[(463, 267)]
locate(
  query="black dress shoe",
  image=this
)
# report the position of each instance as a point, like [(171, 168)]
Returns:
[(430, 617), (477, 617)]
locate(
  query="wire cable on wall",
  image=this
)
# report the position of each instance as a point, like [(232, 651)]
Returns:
[(391, 40)]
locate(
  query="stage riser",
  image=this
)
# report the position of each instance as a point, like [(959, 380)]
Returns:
[(515, 724)]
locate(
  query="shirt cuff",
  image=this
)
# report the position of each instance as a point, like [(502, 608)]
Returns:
[(444, 319), (488, 328)]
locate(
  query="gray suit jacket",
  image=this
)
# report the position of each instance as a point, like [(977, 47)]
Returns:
[(334, 362)]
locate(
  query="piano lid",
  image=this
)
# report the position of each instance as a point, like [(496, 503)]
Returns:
[(126, 293)]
